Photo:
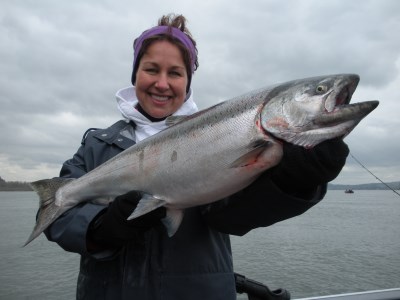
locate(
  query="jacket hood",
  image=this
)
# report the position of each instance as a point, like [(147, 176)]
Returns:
[(127, 101)]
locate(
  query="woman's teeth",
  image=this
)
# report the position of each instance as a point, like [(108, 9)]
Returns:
[(160, 98)]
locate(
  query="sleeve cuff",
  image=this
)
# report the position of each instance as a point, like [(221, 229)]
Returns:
[(70, 229)]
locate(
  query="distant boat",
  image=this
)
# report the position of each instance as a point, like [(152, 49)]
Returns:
[(349, 191)]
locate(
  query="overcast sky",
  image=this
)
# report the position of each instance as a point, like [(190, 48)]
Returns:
[(63, 61)]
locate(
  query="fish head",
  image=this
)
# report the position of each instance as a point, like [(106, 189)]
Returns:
[(308, 111)]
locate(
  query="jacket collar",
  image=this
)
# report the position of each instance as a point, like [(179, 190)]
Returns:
[(112, 135)]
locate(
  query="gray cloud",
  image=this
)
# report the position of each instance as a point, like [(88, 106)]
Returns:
[(63, 62)]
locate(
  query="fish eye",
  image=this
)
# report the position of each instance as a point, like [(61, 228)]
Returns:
[(321, 88)]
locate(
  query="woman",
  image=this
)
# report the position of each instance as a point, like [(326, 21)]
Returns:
[(136, 259)]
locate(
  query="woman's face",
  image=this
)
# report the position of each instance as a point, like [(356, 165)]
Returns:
[(161, 79)]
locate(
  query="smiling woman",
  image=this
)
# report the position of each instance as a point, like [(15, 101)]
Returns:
[(139, 258), (161, 80)]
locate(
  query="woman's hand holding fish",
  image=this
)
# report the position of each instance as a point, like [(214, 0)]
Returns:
[(303, 169), (112, 229)]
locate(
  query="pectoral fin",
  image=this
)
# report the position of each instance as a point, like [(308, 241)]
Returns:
[(251, 157), (147, 204)]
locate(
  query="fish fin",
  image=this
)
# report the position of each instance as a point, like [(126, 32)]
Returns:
[(172, 220), (311, 138), (251, 157), (147, 204), (45, 217), (172, 120), (48, 210)]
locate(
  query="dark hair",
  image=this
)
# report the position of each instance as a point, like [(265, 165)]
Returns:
[(177, 21)]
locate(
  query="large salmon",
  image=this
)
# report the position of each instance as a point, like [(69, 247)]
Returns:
[(214, 153)]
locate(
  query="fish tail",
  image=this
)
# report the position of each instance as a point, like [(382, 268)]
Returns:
[(48, 210)]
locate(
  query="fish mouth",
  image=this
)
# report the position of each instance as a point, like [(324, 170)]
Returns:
[(346, 88), (344, 112), (345, 95), (339, 114)]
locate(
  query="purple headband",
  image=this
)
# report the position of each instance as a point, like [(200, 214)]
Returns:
[(169, 30)]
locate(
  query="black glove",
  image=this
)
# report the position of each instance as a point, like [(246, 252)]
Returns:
[(111, 227), (303, 169)]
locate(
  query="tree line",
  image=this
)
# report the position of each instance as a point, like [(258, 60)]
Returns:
[(14, 185)]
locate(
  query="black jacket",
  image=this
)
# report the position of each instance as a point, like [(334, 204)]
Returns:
[(196, 263)]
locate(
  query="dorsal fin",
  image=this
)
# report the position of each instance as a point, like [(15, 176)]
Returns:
[(172, 120)]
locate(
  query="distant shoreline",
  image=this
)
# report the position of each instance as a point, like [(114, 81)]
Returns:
[(367, 186), (14, 186), (19, 186), (2, 189)]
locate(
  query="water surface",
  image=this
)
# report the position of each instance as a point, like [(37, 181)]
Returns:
[(347, 243)]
